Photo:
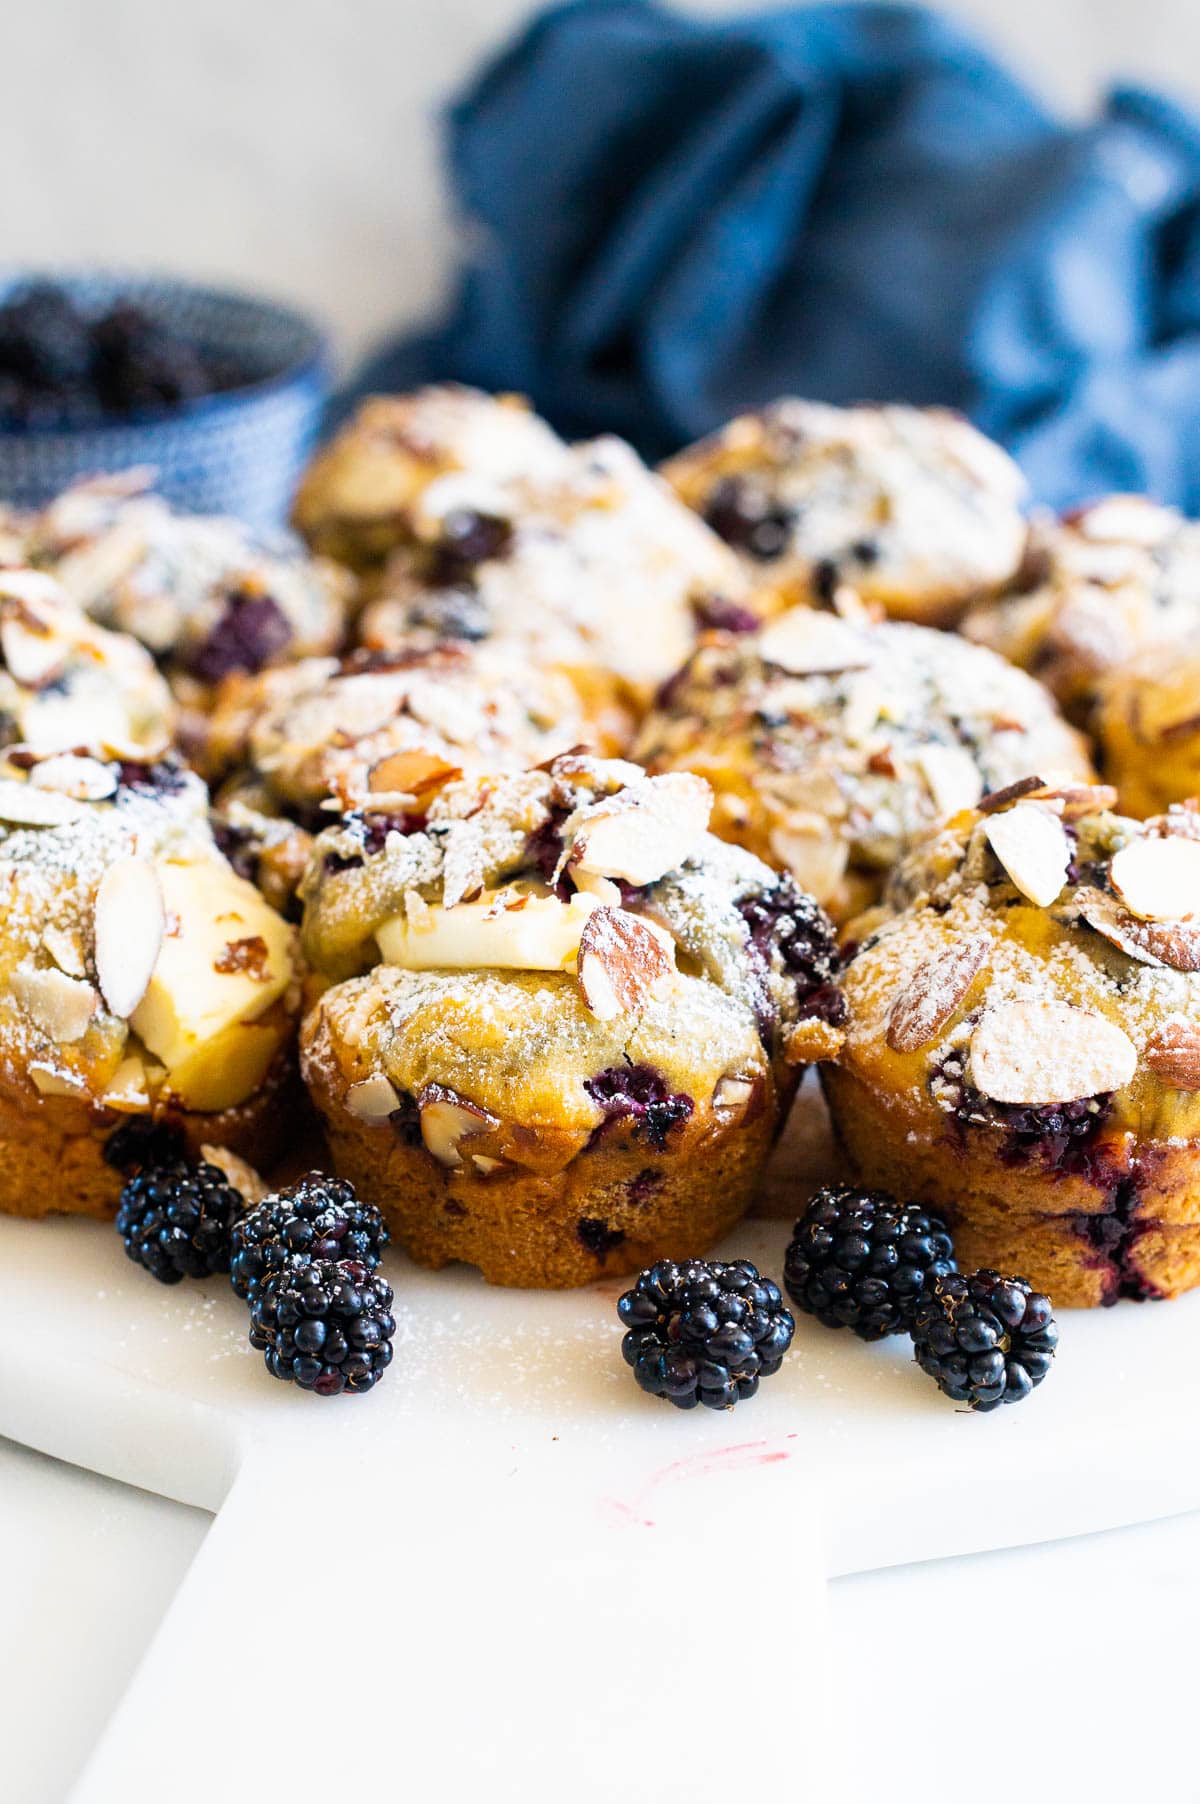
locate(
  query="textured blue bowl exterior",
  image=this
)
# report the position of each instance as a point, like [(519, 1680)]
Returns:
[(238, 453)]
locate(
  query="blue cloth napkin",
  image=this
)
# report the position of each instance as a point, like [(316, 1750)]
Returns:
[(672, 218)]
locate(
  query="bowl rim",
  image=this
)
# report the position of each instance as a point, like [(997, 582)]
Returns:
[(313, 365)]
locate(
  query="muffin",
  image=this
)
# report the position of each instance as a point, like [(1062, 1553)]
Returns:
[(1146, 723), (204, 594), (1098, 589), (139, 978), (910, 508), (575, 555), (1023, 1042), (373, 728), (579, 1021), (66, 682), (834, 747)]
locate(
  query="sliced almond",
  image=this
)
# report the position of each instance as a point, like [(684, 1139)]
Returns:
[(61, 1006), (92, 569), (1072, 800), (128, 1091), (32, 653), (130, 921), (1045, 1052), (1174, 1056), (447, 1119), (49, 1080), (621, 961), (68, 774), (996, 799), (1127, 519), (733, 1095), (1031, 843), (412, 773), (21, 805), (643, 831), (373, 1098), (817, 857), (951, 777), (1159, 879), (1175, 944), (934, 992), (66, 950), (807, 642)]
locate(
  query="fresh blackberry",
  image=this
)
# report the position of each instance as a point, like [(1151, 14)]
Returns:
[(317, 1217), (984, 1339), (324, 1324), (701, 1332), (176, 1219), (858, 1259)]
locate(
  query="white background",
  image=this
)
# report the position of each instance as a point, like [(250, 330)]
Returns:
[(291, 143)]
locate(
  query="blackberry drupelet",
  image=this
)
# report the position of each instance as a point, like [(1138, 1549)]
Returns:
[(703, 1332), (176, 1220), (324, 1324), (858, 1259), (984, 1339), (317, 1217)]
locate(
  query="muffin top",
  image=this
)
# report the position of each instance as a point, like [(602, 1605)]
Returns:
[(588, 868), (1100, 586), (135, 967), (1036, 970), (387, 728), (834, 745), (910, 507), (357, 495), (66, 682), (205, 594)]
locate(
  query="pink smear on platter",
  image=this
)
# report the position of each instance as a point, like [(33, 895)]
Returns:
[(739, 1457)]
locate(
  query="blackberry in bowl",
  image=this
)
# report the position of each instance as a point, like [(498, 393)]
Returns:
[(1022, 1051), (221, 393), (563, 1022)]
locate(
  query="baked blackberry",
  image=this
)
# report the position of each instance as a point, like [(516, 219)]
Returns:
[(984, 1339), (702, 1332), (324, 1324), (858, 1259), (176, 1220), (142, 1143), (317, 1217)]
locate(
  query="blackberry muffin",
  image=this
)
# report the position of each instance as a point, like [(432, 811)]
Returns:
[(1023, 1043), (1146, 722), (581, 1020), (375, 728), (1099, 588), (833, 747), (139, 978), (204, 594), (65, 681), (910, 508), (576, 555)]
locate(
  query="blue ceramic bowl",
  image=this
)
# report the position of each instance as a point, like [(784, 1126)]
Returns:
[(240, 452)]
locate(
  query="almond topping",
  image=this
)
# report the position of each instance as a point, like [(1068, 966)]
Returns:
[(1032, 845), (645, 830), (373, 1098), (732, 1095), (21, 805), (1172, 943), (806, 642), (1174, 1056), (1159, 879), (1071, 800), (951, 776), (68, 774), (1044, 1052), (61, 1006), (33, 655), (128, 1091), (1012, 792), (130, 922), (65, 949), (447, 1120), (934, 992), (410, 773), (620, 962)]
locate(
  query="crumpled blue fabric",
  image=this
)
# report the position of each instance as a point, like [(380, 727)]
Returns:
[(669, 219)]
